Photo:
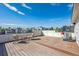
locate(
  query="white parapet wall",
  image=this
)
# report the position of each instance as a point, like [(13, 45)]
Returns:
[(52, 33), (55, 34), (6, 38), (10, 37)]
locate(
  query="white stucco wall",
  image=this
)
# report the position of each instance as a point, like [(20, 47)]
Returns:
[(52, 33), (5, 38), (9, 37), (56, 34)]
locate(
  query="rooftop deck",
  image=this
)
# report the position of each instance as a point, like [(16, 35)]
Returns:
[(46, 46)]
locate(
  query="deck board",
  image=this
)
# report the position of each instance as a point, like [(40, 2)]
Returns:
[(11, 49), (58, 44), (41, 47), (30, 49), (8, 50), (18, 49)]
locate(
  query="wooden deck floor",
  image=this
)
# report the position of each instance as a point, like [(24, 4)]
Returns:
[(47, 46)]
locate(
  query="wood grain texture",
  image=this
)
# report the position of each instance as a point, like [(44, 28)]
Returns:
[(46, 46)]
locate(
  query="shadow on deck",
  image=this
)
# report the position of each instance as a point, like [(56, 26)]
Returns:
[(3, 51)]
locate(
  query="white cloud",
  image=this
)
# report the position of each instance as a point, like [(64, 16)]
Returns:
[(7, 24), (12, 24), (24, 5), (19, 12), (13, 8)]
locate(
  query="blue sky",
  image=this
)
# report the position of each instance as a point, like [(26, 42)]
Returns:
[(35, 14)]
